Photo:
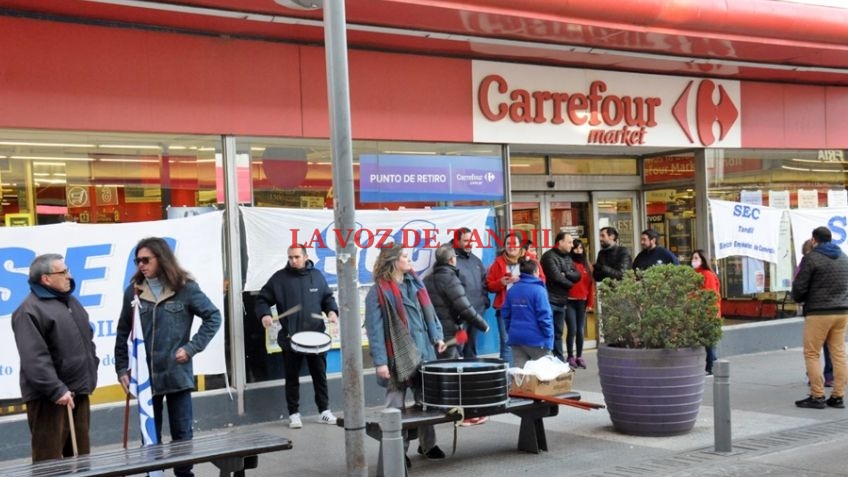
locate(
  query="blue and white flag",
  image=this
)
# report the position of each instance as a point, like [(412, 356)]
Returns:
[(140, 385)]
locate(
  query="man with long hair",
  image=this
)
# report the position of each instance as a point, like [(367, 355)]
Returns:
[(169, 300)]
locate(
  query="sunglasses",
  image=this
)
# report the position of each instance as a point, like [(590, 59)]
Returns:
[(143, 260)]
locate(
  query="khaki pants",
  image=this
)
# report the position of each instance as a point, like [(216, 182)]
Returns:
[(818, 330), (51, 431)]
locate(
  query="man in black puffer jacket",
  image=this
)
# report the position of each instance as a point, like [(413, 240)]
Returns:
[(299, 283), (822, 286), (448, 297), (561, 275)]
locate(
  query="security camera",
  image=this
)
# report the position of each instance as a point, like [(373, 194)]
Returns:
[(551, 184), (301, 4)]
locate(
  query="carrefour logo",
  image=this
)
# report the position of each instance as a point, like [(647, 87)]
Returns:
[(709, 112)]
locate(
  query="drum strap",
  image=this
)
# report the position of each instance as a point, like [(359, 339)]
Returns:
[(461, 412)]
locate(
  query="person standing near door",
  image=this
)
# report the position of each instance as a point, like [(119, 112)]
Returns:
[(561, 276), (652, 254), (613, 259)]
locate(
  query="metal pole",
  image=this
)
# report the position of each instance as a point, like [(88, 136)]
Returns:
[(232, 243), (335, 40), (721, 406), (394, 464)]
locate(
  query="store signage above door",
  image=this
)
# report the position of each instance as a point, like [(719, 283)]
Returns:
[(545, 105), (417, 178)]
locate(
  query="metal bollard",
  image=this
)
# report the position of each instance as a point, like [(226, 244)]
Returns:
[(393, 461), (721, 406)]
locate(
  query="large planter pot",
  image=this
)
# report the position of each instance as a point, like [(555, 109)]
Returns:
[(652, 392)]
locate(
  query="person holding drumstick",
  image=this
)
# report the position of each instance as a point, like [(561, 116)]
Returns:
[(403, 331), (299, 283)]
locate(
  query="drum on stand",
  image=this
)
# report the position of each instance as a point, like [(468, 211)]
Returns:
[(311, 342), (481, 382)]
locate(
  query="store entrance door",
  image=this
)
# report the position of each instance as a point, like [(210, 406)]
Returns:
[(544, 215)]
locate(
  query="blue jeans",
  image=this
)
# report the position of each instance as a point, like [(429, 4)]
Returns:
[(179, 420), (575, 317), (506, 352), (559, 327), (711, 357)]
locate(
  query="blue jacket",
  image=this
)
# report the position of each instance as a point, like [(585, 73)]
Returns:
[(166, 324), (527, 314)]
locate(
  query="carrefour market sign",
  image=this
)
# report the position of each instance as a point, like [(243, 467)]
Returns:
[(546, 105)]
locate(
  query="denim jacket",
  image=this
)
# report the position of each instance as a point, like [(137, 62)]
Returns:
[(167, 326)]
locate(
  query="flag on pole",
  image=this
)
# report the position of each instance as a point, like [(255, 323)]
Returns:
[(140, 385)]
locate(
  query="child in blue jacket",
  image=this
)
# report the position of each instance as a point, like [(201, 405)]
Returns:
[(528, 317)]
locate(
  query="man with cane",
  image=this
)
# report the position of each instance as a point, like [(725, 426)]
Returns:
[(58, 361)]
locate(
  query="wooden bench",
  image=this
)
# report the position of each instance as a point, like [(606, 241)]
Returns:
[(232, 452), (531, 432)]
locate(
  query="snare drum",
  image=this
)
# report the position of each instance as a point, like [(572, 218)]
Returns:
[(311, 342)]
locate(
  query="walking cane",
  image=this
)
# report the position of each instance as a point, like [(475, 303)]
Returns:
[(127, 417), (73, 430)]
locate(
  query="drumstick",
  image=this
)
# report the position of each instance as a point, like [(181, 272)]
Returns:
[(460, 339), (317, 316), (290, 311)]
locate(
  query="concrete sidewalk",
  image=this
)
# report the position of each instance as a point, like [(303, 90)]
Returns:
[(770, 435)]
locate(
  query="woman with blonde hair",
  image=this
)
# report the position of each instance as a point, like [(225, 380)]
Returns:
[(403, 331)]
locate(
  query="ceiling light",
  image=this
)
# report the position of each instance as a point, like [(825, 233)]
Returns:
[(128, 159), (126, 146), (44, 144), (47, 158)]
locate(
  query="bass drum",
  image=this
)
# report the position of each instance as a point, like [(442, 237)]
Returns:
[(466, 383)]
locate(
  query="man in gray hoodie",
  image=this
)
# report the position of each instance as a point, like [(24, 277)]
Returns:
[(822, 285)]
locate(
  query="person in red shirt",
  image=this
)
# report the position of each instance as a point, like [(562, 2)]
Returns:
[(502, 274), (581, 296), (701, 264)]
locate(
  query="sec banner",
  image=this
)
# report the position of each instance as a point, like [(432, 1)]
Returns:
[(100, 259)]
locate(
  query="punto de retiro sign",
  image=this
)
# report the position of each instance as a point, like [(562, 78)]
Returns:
[(545, 105)]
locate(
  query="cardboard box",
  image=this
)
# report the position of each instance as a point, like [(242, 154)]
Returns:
[(530, 383)]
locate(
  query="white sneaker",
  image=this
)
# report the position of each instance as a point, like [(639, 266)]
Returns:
[(295, 422), (327, 417)]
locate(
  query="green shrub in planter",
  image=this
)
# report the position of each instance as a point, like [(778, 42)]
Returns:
[(663, 307)]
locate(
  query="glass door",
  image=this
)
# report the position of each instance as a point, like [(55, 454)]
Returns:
[(545, 214)]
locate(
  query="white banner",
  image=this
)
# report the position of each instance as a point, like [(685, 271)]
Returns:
[(805, 220), (270, 231), (99, 257), (745, 230)]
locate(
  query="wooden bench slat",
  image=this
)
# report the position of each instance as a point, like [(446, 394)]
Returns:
[(138, 460)]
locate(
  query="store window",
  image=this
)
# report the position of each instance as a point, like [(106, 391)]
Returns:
[(298, 173), (47, 177), (777, 178), (602, 165)]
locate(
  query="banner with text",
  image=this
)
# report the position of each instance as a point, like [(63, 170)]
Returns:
[(399, 178), (746, 230), (805, 220), (270, 231), (100, 259)]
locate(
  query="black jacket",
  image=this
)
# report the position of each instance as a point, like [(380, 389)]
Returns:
[(291, 286), (560, 275), (612, 262), (472, 274), (448, 297), (822, 281), (56, 346)]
